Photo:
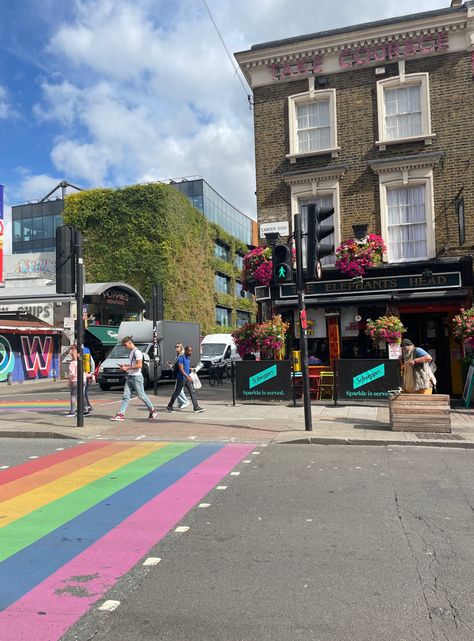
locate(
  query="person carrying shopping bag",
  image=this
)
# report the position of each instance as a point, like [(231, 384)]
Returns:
[(418, 377), (182, 398), (184, 379)]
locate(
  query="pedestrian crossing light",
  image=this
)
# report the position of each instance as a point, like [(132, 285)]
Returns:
[(316, 233), (282, 264)]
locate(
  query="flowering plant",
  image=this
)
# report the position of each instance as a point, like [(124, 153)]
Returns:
[(463, 325), (385, 328), (258, 267), (355, 255), (270, 336), (244, 339)]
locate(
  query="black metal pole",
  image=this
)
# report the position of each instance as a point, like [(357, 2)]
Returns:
[(308, 425), (155, 340), (80, 327), (232, 376)]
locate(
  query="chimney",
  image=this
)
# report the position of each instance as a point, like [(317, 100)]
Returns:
[(456, 3)]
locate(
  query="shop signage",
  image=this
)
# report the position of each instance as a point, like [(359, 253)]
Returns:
[(262, 293), (43, 312), (308, 66), (387, 52), (263, 380), (115, 297), (447, 280), (360, 379)]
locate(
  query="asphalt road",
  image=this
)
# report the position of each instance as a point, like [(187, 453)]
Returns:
[(313, 543)]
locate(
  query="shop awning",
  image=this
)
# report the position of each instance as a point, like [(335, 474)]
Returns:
[(106, 334)]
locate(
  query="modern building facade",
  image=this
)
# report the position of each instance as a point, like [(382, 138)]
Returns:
[(375, 121)]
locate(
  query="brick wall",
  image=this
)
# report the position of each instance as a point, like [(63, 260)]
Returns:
[(452, 99)]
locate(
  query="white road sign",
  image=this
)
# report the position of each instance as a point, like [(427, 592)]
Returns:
[(281, 228)]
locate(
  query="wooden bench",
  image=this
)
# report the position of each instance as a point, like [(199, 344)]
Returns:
[(420, 413)]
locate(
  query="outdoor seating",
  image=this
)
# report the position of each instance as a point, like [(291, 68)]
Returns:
[(326, 385)]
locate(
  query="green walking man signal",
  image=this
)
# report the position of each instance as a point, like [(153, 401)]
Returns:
[(282, 264)]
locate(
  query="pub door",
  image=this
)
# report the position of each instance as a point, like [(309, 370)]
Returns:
[(430, 331)]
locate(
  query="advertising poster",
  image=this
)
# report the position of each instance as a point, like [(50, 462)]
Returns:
[(263, 380), (365, 379), (1, 236)]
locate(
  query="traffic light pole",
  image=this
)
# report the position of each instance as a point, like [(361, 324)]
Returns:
[(80, 326), (155, 339), (308, 425)]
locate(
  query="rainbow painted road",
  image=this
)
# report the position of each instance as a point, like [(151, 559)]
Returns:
[(74, 522), (41, 405)]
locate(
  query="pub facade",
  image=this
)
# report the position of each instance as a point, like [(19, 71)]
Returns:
[(375, 121)]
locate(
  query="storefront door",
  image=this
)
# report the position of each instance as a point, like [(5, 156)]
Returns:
[(430, 331)]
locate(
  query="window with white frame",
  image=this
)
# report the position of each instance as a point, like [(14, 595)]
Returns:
[(407, 223), (404, 109), (312, 123), (323, 201)]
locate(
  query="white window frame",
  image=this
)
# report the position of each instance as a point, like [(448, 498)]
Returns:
[(305, 98), (403, 80), (398, 180)]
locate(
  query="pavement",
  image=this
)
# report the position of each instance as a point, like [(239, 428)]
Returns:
[(275, 422)]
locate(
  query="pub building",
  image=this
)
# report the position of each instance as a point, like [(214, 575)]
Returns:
[(375, 121)]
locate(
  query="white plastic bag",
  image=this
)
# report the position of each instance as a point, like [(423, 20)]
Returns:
[(196, 382)]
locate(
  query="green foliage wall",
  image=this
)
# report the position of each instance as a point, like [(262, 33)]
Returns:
[(145, 234)]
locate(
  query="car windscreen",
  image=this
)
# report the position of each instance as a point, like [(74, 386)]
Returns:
[(212, 349), (122, 352)]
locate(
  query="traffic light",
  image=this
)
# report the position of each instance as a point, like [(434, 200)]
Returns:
[(316, 233), (282, 264), (65, 260)]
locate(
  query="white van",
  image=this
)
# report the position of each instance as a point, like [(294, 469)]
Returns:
[(217, 349)]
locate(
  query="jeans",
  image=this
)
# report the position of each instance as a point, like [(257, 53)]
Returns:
[(73, 396), (182, 398), (87, 402), (134, 384), (180, 384)]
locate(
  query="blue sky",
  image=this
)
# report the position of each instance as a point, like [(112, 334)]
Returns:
[(112, 92)]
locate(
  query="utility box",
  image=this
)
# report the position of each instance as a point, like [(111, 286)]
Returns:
[(420, 413)]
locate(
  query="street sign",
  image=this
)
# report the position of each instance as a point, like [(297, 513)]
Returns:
[(281, 228)]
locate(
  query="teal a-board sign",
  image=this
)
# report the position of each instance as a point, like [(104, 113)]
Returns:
[(365, 379), (467, 393), (263, 380)]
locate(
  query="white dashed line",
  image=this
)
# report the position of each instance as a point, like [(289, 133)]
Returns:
[(139, 438), (221, 487), (204, 505), (152, 560), (182, 528), (247, 461), (33, 457), (255, 453), (109, 606), (4, 467), (58, 449), (235, 473)]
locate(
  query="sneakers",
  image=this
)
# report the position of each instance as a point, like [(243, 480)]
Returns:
[(70, 414), (170, 409), (199, 409), (118, 417), (152, 414)]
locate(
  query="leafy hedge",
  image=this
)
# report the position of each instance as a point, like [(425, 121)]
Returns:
[(145, 234)]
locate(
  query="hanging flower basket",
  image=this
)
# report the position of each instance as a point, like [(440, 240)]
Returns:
[(258, 268), (267, 338), (463, 326), (385, 328), (354, 256), (244, 339)]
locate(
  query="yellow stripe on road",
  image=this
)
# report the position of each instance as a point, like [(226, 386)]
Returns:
[(17, 507)]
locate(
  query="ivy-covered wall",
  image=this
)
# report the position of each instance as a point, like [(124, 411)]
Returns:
[(145, 234)]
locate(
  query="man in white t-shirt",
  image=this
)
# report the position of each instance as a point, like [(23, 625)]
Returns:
[(134, 381)]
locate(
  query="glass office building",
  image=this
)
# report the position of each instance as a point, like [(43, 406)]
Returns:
[(215, 208), (34, 226)]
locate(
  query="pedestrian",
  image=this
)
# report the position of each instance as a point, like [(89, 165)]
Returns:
[(416, 371), (182, 398), (89, 368), (134, 381), (183, 379), (72, 381)]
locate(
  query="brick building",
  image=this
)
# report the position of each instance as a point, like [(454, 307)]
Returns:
[(375, 120)]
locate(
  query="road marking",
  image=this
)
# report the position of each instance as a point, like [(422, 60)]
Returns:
[(182, 528), (109, 606), (309, 520), (4, 467), (247, 461), (256, 453), (152, 560), (33, 457), (58, 449), (221, 487), (192, 437), (139, 438), (235, 473), (204, 504)]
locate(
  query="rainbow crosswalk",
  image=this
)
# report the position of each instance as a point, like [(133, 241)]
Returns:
[(72, 523), (24, 406)]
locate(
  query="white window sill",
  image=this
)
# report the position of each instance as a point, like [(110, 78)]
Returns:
[(382, 144), (399, 261), (334, 152)]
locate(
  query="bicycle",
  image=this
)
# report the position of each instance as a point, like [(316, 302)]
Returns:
[(218, 374)]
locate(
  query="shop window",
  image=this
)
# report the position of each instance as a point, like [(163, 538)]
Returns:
[(404, 109), (312, 124), (407, 225), (222, 284), (223, 316)]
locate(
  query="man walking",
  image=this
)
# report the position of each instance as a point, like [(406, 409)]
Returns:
[(134, 381), (183, 379)]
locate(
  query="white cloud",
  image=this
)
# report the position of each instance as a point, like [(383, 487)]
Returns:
[(34, 187), (5, 110), (151, 93)]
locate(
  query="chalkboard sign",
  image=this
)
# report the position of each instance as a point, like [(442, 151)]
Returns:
[(466, 395)]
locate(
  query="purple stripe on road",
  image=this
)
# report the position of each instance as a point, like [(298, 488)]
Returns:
[(50, 609)]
